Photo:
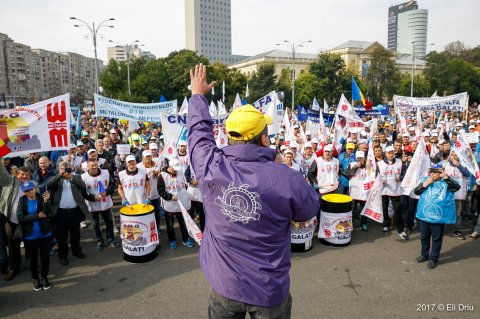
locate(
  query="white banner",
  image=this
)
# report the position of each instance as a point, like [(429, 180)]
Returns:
[(39, 127), (149, 112), (192, 228), (123, 149), (466, 157), (262, 105), (417, 169), (456, 102), (373, 207), (335, 228)]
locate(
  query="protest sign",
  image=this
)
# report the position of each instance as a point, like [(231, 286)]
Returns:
[(40, 127), (456, 103), (149, 112), (123, 149)]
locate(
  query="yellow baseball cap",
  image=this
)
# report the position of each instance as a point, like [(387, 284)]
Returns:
[(246, 122), (350, 145)]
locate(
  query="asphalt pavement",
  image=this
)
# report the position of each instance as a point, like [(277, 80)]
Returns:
[(375, 277)]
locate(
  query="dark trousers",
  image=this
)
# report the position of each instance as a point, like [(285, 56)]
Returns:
[(169, 220), (107, 218), (387, 221), (13, 244), (197, 207), (433, 232), (3, 243), (157, 206), (68, 221), (32, 248), (357, 207), (220, 307), (412, 210)]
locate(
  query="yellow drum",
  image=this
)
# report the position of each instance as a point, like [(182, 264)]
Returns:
[(335, 225), (138, 233)]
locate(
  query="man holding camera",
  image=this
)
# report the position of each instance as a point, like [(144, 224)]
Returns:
[(69, 207)]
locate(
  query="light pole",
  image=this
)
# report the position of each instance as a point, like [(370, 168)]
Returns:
[(126, 48), (94, 33), (293, 47)]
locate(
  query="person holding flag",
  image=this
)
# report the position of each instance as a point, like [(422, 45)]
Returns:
[(357, 173)]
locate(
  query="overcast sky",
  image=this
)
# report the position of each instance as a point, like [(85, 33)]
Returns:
[(257, 25)]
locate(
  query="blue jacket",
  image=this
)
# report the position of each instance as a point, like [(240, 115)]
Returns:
[(51, 172), (345, 161), (249, 201)]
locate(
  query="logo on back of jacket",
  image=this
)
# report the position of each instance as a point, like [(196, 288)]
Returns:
[(239, 204)]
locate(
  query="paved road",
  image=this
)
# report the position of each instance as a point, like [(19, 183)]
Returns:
[(375, 277)]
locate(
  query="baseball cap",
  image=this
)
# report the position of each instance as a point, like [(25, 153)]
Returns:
[(360, 154), (281, 138), (153, 138), (28, 185), (478, 121), (112, 131), (80, 143), (314, 141), (175, 163), (350, 145), (130, 158), (146, 153), (386, 124), (328, 148), (293, 144), (283, 147), (85, 133), (91, 151), (153, 146), (434, 134), (136, 138), (73, 146), (308, 144), (405, 134), (389, 149), (246, 122), (144, 142), (296, 126), (411, 128), (282, 130), (363, 133), (288, 151), (471, 127), (442, 122), (182, 143), (459, 124), (308, 133)]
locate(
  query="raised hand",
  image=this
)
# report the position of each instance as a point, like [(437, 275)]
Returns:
[(198, 80)]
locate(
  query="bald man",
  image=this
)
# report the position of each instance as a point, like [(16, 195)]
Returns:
[(44, 172)]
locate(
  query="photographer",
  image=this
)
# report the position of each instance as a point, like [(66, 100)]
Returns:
[(68, 204)]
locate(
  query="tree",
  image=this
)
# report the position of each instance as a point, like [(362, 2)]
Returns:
[(307, 86), (262, 82), (284, 84), (455, 49), (235, 82), (421, 86), (383, 76)]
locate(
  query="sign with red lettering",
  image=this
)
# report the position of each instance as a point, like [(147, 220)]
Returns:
[(39, 127)]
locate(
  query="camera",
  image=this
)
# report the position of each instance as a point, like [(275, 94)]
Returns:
[(68, 170)]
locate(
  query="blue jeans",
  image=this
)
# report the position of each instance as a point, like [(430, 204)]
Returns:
[(433, 232)]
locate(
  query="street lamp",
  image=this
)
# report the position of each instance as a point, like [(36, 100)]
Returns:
[(94, 33), (293, 47), (126, 48)]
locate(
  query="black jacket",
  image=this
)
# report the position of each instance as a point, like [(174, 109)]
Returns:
[(26, 220), (79, 192)]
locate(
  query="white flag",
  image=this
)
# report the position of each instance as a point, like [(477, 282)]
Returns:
[(373, 207), (192, 228), (288, 129), (213, 90), (221, 108), (465, 156), (222, 138), (322, 130), (315, 105), (246, 91), (419, 126), (184, 108), (212, 109), (417, 169), (170, 151), (272, 111), (237, 103), (325, 107), (403, 121), (223, 91)]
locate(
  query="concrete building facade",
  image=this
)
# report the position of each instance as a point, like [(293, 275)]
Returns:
[(119, 54), (29, 75)]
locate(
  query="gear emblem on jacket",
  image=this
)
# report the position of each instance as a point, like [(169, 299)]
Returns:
[(239, 204)]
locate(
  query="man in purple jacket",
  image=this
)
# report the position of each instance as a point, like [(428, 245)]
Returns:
[(249, 201)]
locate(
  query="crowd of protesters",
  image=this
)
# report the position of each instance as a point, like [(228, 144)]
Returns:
[(46, 198)]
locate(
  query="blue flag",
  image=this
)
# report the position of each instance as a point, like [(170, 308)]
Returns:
[(244, 102), (78, 127), (162, 98)]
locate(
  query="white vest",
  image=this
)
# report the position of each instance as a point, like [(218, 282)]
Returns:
[(356, 183), (307, 163), (327, 175), (92, 184), (457, 176), (194, 190), (101, 161), (153, 179), (175, 186), (76, 160), (133, 186), (184, 161), (389, 175)]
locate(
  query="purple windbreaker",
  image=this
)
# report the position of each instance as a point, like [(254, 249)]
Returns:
[(249, 202)]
